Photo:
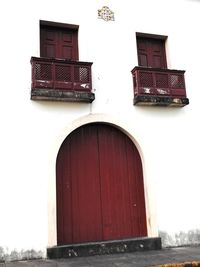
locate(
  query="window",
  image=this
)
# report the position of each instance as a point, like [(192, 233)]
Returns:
[(57, 74), (154, 84), (58, 41), (151, 52)]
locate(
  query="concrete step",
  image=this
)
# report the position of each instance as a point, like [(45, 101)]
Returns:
[(104, 247)]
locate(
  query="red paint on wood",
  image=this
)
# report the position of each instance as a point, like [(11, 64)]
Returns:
[(151, 52), (114, 184), (58, 42), (100, 194)]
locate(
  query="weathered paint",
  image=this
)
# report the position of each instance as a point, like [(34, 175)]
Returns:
[(106, 247), (100, 189), (181, 238), (15, 255), (32, 131)]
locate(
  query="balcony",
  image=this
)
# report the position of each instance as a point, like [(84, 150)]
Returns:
[(61, 80), (159, 87)]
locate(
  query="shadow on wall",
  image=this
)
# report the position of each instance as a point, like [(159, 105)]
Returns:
[(15, 255), (191, 237)]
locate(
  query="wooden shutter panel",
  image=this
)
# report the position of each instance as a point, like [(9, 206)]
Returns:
[(142, 47), (58, 43), (151, 52), (48, 42), (68, 44), (158, 54)]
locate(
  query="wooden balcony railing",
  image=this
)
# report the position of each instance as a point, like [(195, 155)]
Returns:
[(159, 87), (57, 79)]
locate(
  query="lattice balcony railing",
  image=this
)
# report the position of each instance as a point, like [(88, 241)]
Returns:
[(162, 87), (159, 82), (63, 75)]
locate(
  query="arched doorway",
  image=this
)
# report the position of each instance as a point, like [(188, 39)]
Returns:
[(99, 186)]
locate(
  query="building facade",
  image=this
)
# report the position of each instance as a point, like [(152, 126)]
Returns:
[(99, 128)]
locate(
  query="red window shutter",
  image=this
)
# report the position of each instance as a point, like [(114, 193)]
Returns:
[(68, 44), (48, 42), (151, 52), (58, 43), (143, 52)]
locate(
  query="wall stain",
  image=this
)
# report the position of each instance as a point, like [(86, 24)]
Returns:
[(191, 237), (15, 255)]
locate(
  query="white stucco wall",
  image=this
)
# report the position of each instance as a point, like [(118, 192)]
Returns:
[(31, 131)]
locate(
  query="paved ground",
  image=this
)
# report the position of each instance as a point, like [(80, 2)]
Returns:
[(172, 257)]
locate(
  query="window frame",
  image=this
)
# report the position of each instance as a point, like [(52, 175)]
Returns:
[(58, 26), (151, 37)]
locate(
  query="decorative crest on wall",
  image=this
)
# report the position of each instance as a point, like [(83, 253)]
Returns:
[(106, 14)]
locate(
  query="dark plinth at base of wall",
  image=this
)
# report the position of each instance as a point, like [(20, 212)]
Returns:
[(103, 248), (60, 95), (141, 100)]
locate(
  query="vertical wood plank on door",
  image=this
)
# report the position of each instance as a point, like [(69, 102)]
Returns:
[(100, 194), (114, 184), (64, 194), (136, 190)]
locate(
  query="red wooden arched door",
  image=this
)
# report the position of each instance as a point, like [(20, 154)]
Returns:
[(100, 191)]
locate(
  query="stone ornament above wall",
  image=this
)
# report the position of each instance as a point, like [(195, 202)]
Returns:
[(106, 14)]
